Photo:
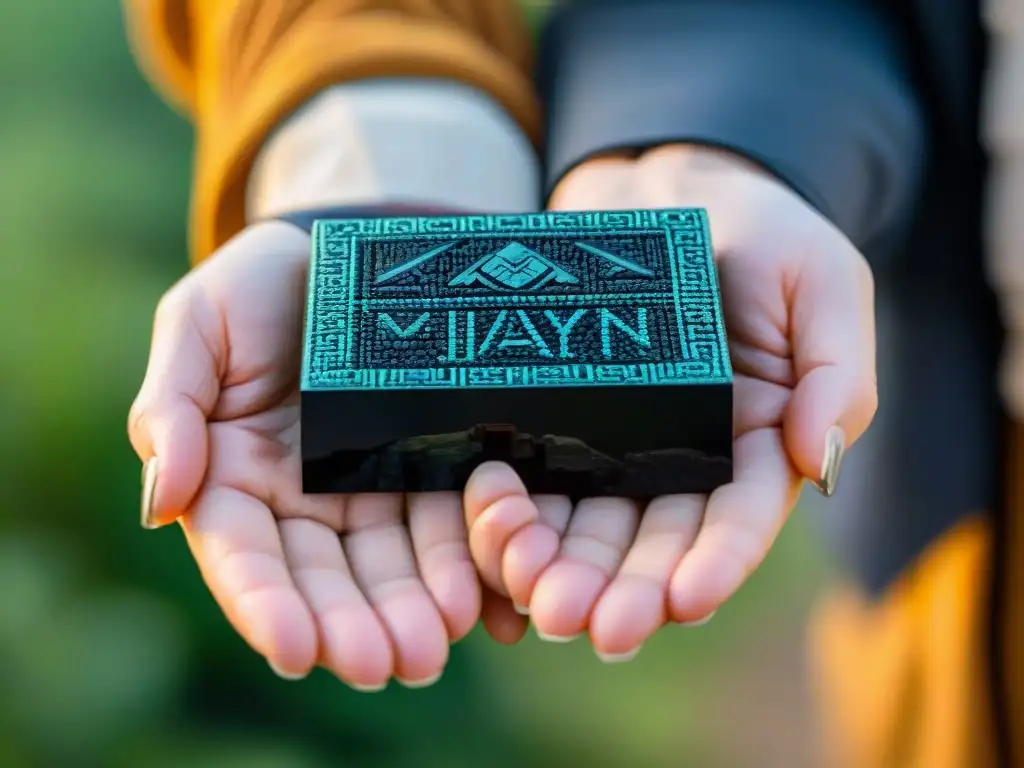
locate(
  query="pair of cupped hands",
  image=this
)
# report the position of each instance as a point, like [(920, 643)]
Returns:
[(378, 586)]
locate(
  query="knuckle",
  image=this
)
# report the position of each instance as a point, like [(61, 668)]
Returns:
[(136, 418), (867, 398), (601, 183), (175, 303), (826, 238), (152, 412), (167, 308), (138, 428), (862, 271)]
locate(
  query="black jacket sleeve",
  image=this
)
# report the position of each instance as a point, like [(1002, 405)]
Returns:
[(817, 91)]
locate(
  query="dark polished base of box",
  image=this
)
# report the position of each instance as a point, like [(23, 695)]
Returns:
[(548, 465)]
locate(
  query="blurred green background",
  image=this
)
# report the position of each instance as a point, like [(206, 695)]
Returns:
[(112, 654)]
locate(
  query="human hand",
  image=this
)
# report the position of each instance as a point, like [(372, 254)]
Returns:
[(367, 586), (798, 304)]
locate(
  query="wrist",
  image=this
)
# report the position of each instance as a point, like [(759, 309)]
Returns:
[(675, 162), (708, 158), (410, 141)]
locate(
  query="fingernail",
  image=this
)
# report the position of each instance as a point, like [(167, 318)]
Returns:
[(286, 675), (835, 447), (618, 658), (149, 473), (698, 622), (556, 638), (424, 683), (368, 688), (522, 610)]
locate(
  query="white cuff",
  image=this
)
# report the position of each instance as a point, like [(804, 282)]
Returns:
[(434, 142)]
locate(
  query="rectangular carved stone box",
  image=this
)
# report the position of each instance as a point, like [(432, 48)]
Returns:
[(586, 349)]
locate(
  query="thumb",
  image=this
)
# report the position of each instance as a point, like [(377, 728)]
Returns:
[(167, 422), (833, 347)]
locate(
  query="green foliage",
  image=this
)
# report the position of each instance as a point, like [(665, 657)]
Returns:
[(111, 652)]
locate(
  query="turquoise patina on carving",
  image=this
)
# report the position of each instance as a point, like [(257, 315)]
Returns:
[(529, 300), (417, 325), (514, 268)]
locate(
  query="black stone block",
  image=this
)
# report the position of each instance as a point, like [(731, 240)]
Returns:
[(585, 349)]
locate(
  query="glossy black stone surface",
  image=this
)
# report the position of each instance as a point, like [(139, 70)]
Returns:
[(585, 349)]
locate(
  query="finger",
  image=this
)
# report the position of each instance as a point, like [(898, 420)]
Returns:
[(500, 619), (235, 541), (633, 607), (757, 404), (833, 342), (440, 542), (381, 557), (598, 537), (497, 506), (180, 389), (353, 642), (740, 524), (533, 548)]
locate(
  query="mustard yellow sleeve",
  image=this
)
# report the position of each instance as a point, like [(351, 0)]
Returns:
[(160, 36), (239, 67)]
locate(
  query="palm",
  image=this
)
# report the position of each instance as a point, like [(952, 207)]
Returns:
[(607, 565), (370, 586), (317, 575), (797, 304)]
